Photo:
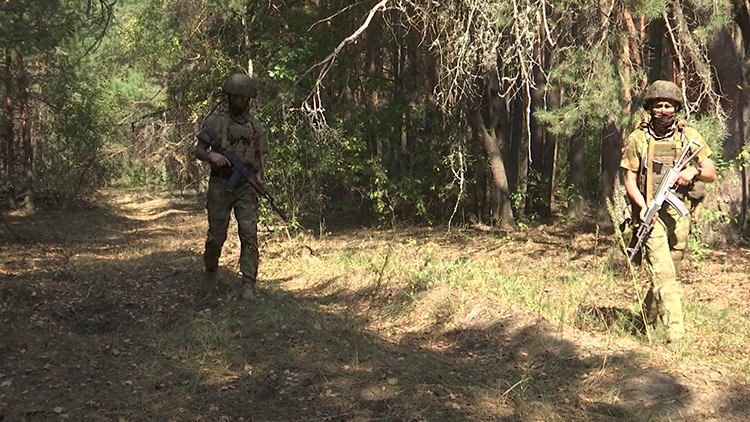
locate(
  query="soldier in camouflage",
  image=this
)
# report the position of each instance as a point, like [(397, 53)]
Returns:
[(648, 154), (239, 131)]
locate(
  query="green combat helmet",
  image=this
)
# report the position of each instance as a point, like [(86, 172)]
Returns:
[(664, 90), (240, 84)]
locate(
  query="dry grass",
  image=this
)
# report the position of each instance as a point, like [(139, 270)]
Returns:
[(100, 322)]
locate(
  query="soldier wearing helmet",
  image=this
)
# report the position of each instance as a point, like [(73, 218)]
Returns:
[(238, 130), (648, 154)]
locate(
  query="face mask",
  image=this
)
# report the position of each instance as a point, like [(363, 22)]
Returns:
[(662, 123), (237, 107)]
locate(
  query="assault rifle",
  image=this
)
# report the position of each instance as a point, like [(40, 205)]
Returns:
[(239, 171), (665, 193)]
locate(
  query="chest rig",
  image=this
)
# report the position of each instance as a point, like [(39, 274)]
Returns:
[(660, 158), (243, 139)]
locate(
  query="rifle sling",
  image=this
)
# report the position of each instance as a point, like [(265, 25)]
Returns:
[(224, 129), (648, 162)]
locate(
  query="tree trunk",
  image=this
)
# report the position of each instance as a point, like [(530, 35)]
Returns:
[(483, 118), (552, 101), (27, 162), (742, 19), (542, 145), (517, 167), (371, 98), (728, 74), (482, 199), (729, 196), (612, 138), (399, 59), (577, 181), (503, 213), (9, 132), (611, 154), (655, 60)]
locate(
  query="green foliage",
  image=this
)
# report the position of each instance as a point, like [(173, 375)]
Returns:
[(698, 250), (654, 9), (388, 143), (144, 37), (591, 98), (135, 173), (713, 132), (74, 160), (742, 158), (49, 44), (40, 26), (569, 194), (708, 17)]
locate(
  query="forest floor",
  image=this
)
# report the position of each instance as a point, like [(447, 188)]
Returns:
[(100, 320)]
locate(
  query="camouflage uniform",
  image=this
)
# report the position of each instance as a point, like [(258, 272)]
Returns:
[(246, 137), (667, 242)]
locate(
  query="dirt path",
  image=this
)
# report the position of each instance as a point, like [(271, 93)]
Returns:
[(100, 321)]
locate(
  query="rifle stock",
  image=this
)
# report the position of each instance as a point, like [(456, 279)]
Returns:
[(665, 193)]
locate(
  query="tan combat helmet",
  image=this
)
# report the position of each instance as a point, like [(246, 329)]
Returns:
[(240, 84), (662, 90)]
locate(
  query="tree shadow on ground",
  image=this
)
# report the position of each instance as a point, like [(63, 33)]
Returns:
[(610, 318), (107, 336)]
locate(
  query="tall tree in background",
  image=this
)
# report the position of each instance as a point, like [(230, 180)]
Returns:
[(570, 70), (484, 110), (42, 42)]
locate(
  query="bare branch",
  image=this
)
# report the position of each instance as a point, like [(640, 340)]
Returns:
[(313, 105), (689, 53), (332, 16)]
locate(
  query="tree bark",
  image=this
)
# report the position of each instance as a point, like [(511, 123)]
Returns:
[(612, 138), (729, 82), (9, 126), (517, 167), (577, 181), (729, 196), (655, 60), (542, 145), (483, 118), (27, 161), (399, 62)]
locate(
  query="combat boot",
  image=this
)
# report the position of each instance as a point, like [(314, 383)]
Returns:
[(247, 291), (675, 344), (209, 282)]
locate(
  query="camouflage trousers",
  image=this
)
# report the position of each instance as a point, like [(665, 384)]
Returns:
[(665, 249), (219, 205)]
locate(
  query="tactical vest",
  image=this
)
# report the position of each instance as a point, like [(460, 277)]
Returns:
[(660, 159), (243, 139)]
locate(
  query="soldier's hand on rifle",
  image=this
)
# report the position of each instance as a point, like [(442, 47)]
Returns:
[(642, 215), (218, 160), (685, 177)]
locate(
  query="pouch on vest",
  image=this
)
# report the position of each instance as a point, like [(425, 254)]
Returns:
[(243, 140), (697, 191), (694, 195)]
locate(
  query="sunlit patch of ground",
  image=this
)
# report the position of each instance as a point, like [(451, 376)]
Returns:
[(100, 320)]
